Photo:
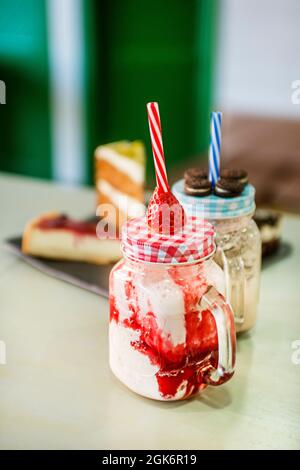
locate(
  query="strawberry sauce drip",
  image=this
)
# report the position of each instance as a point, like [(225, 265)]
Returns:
[(201, 332), (133, 321), (113, 311), (181, 367), (62, 222)]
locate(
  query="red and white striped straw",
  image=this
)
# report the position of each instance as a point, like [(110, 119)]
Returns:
[(157, 147)]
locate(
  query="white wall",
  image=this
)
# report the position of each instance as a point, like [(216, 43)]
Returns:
[(258, 56), (65, 33)]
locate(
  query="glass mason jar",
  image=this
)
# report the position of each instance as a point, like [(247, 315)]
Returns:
[(238, 247), (171, 332)]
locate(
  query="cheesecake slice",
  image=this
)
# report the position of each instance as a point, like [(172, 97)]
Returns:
[(120, 178), (57, 236)]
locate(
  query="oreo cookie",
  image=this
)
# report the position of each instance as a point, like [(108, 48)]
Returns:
[(197, 187), (266, 217), (195, 173), (196, 182), (228, 187), (269, 223), (237, 175)]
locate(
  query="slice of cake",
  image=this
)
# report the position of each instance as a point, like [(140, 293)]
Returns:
[(57, 236), (119, 178)]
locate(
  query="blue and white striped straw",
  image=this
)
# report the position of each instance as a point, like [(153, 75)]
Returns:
[(215, 147)]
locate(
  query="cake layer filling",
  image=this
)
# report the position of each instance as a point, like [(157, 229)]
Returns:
[(118, 179), (127, 165), (127, 204)]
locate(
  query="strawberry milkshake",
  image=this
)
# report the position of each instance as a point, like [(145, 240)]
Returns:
[(163, 336), (171, 331)]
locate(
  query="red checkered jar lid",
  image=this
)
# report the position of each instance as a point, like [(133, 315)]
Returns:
[(191, 244)]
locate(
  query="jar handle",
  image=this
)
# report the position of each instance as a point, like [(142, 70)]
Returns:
[(223, 315), (235, 279)]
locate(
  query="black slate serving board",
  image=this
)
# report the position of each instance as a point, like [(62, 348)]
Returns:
[(91, 277)]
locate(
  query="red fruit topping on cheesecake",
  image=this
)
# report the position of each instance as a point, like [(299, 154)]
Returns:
[(165, 214), (57, 236)]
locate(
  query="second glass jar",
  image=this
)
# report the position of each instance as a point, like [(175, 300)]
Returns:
[(238, 247)]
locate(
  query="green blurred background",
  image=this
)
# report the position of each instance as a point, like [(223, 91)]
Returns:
[(79, 73)]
